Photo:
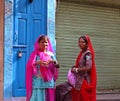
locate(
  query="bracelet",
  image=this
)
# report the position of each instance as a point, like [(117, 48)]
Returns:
[(76, 70)]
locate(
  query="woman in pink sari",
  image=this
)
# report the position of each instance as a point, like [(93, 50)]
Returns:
[(41, 72)]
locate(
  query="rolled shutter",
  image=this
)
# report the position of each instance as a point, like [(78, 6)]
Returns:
[(102, 24)]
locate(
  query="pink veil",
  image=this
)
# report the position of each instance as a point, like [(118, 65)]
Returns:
[(47, 73), (36, 45)]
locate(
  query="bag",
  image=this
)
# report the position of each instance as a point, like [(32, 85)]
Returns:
[(71, 78)]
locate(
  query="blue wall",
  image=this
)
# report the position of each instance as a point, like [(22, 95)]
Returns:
[(8, 35), (51, 22)]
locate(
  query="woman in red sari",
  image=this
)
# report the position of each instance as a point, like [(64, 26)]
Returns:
[(81, 85), (85, 72)]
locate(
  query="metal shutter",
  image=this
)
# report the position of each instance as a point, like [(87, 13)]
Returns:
[(103, 26)]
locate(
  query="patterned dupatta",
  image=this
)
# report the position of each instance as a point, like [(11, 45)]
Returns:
[(87, 91)]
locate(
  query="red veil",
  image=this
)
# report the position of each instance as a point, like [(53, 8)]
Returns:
[(87, 91)]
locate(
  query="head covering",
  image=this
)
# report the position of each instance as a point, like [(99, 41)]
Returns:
[(87, 91), (36, 45), (47, 73)]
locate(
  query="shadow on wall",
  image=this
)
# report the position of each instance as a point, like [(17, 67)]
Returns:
[(8, 9), (8, 95), (8, 91)]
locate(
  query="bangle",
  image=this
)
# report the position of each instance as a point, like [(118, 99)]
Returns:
[(76, 70)]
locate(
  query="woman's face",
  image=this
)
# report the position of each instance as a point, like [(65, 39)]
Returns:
[(43, 44), (82, 44)]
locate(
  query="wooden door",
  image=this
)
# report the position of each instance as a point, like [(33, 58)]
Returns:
[(29, 22)]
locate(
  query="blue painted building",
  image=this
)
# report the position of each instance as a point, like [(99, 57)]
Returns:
[(25, 20)]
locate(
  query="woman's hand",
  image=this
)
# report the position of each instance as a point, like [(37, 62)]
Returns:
[(55, 63), (75, 70), (46, 63), (72, 69), (41, 63), (51, 61)]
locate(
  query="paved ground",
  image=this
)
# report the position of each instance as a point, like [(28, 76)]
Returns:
[(100, 97), (108, 97), (16, 99)]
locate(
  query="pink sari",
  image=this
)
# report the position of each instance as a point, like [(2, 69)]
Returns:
[(47, 73)]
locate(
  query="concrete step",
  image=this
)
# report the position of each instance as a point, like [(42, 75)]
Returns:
[(100, 97), (108, 97)]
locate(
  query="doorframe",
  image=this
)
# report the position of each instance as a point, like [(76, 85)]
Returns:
[(1, 47), (50, 20), (51, 10)]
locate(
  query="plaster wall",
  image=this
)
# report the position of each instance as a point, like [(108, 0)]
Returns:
[(8, 39), (8, 48), (1, 47)]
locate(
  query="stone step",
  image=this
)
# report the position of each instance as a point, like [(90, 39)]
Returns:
[(108, 97), (100, 97)]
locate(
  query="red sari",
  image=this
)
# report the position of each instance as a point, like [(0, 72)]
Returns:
[(87, 91)]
